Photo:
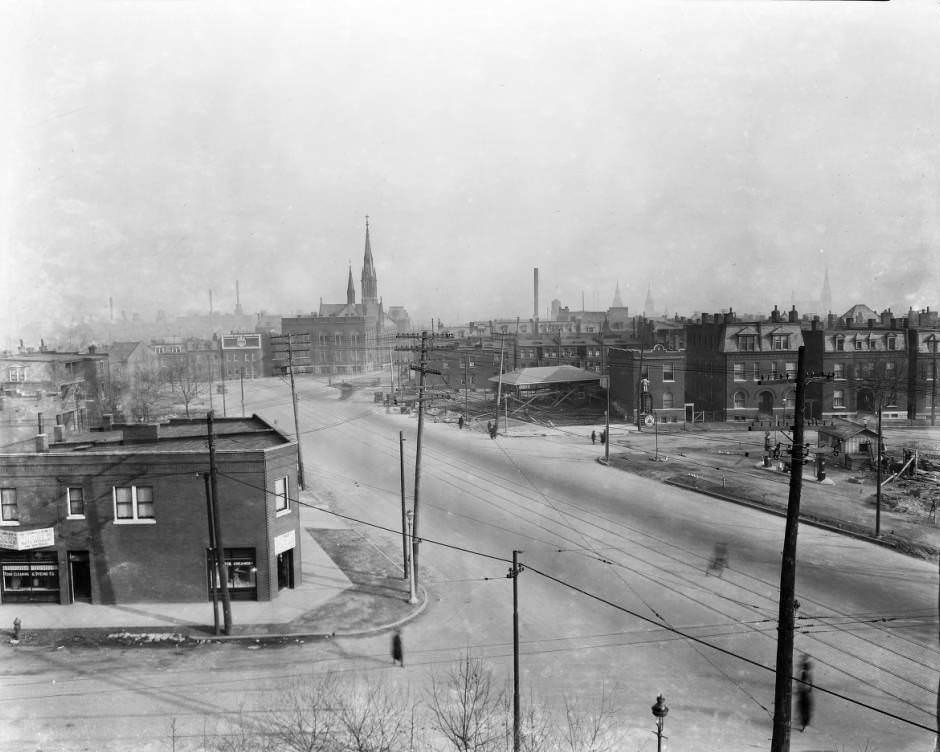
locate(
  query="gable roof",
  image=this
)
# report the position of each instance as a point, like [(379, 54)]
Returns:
[(548, 375)]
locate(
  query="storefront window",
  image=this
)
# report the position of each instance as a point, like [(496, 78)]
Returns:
[(30, 577), (241, 570)]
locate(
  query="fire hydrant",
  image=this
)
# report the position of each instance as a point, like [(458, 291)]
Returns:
[(17, 625)]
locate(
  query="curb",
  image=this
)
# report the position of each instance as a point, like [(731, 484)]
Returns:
[(327, 635), (829, 527), (913, 550)]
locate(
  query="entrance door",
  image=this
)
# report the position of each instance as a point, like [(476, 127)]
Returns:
[(285, 570), (80, 576), (765, 403)]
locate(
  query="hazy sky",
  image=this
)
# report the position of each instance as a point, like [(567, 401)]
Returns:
[(723, 152)]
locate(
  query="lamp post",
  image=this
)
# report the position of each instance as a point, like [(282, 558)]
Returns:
[(659, 711)]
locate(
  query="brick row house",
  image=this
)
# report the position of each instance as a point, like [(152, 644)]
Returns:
[(119, 515)]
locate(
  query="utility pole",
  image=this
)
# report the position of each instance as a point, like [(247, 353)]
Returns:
[(514, 573), (878, 472), (422, 369), (783, 687), (222, 377), (217, 519), (606, 356), (241, 376), (499, 384), (639, 391), (284, 344), (466, 388), (933, 390), (404, 537), (211, 379), (213, 556)]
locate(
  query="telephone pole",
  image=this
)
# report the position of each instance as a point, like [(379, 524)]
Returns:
[(217, 524), (283, 346), (423, 369), (514, 573), (404, 518), (783, 687)]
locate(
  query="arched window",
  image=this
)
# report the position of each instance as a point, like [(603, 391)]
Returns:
[(739, 400), (667, 400)]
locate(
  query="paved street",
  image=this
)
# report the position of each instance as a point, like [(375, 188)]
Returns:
[(867, 614)]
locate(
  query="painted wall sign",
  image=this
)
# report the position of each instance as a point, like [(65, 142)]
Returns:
[(284, 542), (23, 540)]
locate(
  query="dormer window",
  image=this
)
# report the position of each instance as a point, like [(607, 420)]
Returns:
[(780, 342), (892, 342), (840, 343), (860, 344), (747, 342)]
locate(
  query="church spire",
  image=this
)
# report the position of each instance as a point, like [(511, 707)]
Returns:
[(825, 298), (370, 288), (617, 303), (649, 309), (350, 289)]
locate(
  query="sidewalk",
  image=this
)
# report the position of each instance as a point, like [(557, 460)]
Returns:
[(348, 587)]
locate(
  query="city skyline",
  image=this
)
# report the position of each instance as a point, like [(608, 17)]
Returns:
[(724, 155)]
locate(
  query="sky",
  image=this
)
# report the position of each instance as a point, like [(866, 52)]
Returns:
[(722, 154)]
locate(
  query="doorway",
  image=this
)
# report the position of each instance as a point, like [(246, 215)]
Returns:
[(765, 403), (285, 569), (80, 576)]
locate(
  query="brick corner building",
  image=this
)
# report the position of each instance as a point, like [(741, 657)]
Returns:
[(119, 515)]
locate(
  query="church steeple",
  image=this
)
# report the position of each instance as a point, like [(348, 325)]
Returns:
[(825, 298), (370, 287), (649, 308), (350, 289), (617, 303)]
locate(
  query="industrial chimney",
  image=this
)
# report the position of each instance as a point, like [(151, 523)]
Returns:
[(535, 310)]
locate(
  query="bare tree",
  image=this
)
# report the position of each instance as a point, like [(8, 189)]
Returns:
[(467, 707), (186, 381), (591, 729), (372, 719), (307, 718)]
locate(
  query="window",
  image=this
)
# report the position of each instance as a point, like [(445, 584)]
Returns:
[(669, 373), (18, 373), (739, 400), (838, 371), (890, 369), (790, 370), (755, 371), (860, 343), (838, 398), (774, 371), (76, 501), (780, 342), (9, 514), (667, 400), (868, 370), (133, 504), (738, 371), (840, 343), (645, 371), (281, 500), (892, 342), (747, 342)]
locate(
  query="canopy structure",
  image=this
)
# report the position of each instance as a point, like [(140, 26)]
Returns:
[(529, 383)]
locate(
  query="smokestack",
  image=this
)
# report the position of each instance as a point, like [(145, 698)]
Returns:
[(111, 308), (237, 300), (210, 301), (535, 309)]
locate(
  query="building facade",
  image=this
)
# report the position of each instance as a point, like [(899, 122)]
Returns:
[(120, 515)]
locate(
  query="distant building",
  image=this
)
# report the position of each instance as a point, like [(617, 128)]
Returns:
[(652, 381), (349, 338), (119, 515)]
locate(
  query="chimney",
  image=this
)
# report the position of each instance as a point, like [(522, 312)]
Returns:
[(42, 443), (775, 315), (58, 433), (141, 433), (535, 280), (793, 316), (92, 349)]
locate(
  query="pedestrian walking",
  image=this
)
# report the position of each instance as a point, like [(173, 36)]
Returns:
[(460, 422), (593, 437), (603, 437), (398, 652), (804, 693)]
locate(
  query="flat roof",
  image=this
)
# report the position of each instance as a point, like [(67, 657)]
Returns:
[(547, 375)]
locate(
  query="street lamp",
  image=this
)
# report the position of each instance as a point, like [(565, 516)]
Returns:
[(659, 711)]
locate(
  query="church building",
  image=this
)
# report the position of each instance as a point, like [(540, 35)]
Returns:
[(349, 338)]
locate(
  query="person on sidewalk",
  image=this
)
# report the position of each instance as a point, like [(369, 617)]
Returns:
[(398, 652), (593, 437), (460, 422), (804, 693)]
